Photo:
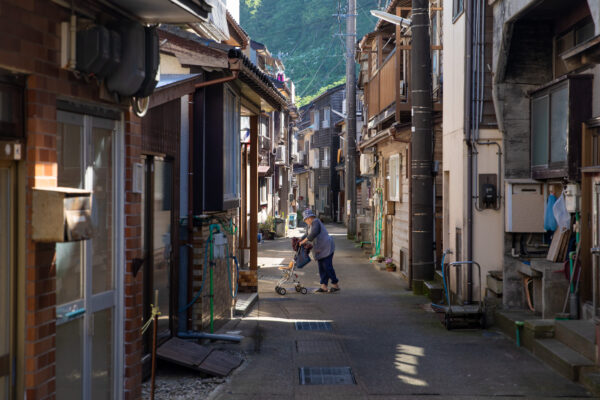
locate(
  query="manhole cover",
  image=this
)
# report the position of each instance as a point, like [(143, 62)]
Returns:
[(326, 376), (313, 326)]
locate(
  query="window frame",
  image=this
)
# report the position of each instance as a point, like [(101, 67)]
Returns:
[(326, 160), (458, 9), (394, 173), (326, 123), (231, 146), (579, 110), (539, 96)]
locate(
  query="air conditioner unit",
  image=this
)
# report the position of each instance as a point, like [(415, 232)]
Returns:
[(280, 154)]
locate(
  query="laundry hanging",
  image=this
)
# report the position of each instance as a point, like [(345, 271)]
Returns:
[(550, 223)]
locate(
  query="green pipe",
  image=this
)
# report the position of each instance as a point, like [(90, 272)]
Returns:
[(212, 305), (519, 325), (212, 263), (571, 267)]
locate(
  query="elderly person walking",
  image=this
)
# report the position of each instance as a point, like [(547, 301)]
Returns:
[(323, 248)]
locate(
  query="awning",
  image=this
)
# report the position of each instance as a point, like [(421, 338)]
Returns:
[(263, 169), (171, 87)]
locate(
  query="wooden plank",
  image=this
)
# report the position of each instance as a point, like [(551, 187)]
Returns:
[(220, 363), (197, 357), (558, 246), (183, 353)]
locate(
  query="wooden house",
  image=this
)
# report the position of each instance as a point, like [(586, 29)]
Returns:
[(384, 77)]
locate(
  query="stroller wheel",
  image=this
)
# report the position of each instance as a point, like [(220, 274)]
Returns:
[(303, 290), (448, 322), (282, 291)]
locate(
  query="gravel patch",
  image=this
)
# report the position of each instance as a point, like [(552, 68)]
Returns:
[(174, 382)]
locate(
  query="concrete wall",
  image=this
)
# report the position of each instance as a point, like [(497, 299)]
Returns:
[(454, 149), (488, 225)]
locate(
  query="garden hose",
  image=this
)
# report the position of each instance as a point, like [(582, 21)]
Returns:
[(209, 260), (379, 223)]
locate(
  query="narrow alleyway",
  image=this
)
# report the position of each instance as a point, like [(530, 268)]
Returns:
[(394, 346)]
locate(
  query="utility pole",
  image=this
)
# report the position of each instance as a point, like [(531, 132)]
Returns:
[(351, 115), (421, 147)]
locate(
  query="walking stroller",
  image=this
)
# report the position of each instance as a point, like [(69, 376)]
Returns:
[(289, 274)]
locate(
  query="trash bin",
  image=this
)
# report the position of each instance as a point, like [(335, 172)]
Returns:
[(279, 227)]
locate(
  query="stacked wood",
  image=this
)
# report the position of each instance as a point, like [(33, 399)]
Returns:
[(559, 245)]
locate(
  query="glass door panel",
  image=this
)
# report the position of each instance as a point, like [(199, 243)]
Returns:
[(85, 332), (102, 210), (102, 355), (70, 174), (162, 208), (69, 360), (68, 271), (69, 145), (5, 278)]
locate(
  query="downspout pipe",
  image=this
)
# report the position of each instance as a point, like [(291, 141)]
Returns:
[(468, 135)]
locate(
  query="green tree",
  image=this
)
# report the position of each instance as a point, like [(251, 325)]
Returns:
[(303, 34)]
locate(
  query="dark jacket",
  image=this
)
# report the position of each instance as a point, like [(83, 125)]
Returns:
[(323, 244)]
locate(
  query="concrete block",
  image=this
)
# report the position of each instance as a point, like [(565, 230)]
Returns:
[(418, 287), (553, 293), (536, 329), (495, 285), (434, 291), (505, 320)]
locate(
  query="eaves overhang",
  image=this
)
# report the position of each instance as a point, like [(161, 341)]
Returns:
[(165, 11)]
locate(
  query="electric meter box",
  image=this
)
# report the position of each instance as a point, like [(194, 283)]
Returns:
[(61, 214), (525, 205)]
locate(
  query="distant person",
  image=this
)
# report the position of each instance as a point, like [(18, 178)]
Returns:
[(323, 249)]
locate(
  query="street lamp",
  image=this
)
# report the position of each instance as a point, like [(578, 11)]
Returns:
[(391, 18)]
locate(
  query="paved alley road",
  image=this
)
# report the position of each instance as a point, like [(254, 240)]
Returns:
[(394, 347)]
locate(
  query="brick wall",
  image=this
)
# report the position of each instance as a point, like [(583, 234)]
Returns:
[(223, 299), (30, 46), (133, 249)]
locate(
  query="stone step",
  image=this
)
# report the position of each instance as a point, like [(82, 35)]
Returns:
[(434, 290), (505, 320), (561, 357), (579, 335), (244, 303)]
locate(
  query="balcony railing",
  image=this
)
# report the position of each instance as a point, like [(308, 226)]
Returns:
[(388, 83)]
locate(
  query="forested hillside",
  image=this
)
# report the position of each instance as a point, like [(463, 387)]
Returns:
[(301, 33)]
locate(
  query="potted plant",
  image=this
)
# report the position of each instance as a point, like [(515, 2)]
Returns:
[(267, 228), (389, 265)]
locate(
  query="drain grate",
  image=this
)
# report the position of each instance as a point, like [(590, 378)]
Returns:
[(313, 326), (326, 376)]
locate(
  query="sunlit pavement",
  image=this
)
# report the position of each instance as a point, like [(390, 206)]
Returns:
[(395, 348)]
